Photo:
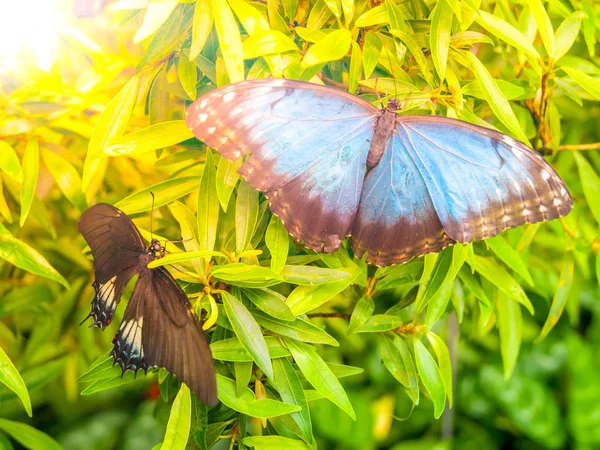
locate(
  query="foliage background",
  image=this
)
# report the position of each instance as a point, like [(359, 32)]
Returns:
[(105, 125)]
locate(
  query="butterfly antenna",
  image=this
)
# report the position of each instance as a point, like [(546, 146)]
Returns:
[(377, 92), (151, 216)]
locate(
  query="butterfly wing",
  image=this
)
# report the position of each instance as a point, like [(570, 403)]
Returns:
[(307, 147), (396, 219), (116, 245), (481, 182), (172, 337)]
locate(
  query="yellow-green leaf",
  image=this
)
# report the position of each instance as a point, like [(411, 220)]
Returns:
[(269, 42), (31, 163), (591, 85), (11, 378), (230, 40), (544, 25), (180, 420), (154, 137), (510, 321), (157, 13), (332, 47), (439, 38), (66, 176), (567, 33), (188, 75), (202, 24), (9, 162), (505, 31)]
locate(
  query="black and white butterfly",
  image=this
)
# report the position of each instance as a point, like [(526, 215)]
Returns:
[(159, 328)]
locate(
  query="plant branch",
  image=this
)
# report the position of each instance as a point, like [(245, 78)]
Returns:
[(330, 315), (578, 147)]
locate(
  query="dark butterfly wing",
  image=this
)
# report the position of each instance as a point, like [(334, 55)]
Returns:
[(116, 245), (396, 219), (308, 146), (172, 336), (481, 182)]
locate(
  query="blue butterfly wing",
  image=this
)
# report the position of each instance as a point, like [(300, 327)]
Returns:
[(396, 219), (442, 181), (481, 181), (306, 144)]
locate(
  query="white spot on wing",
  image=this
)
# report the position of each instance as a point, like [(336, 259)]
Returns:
[(202, 117), (546, 175), (228, 97), (211, 130), (203, 103)]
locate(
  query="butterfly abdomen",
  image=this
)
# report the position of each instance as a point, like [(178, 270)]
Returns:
[(383, 130)]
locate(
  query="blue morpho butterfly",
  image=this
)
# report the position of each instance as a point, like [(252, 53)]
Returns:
[(331, 164)]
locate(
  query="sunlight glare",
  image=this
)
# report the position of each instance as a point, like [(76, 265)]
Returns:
[(28, 34)]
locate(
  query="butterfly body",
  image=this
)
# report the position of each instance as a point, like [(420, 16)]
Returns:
[(159, 327), (333, 165)]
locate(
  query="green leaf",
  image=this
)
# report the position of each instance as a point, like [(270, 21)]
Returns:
[(392, 359), (589, 84), (66, 177), (567, 33), (247, 403), (510, 322), (500, 278), (243, 374), (230, 40), (157, 136), (431, 378), (110, 125), (208, 206), (243, 275), (319, 375), (270, 302), (27, 258), (362, 313), (183, 256), (510, 257), (251, 19), (470, 281), (246, 214), (232, 350), (274, 443), (439, 39), (248, 332), (226, 179), (417, 53), (11, 378), (378, 323), (431, 285), (356, 68), (495, 97), (560, 297), (157, 13), (270, 42), (289, 386), (164, 193), (28, 436), (332, 47), (299, 329), (202, 25), (505, 31), (178, 427), (306, 298), (9, 161), (31, 165), (4, 209), (371, 51), (311, 275), (443, 356), (590, 182), (544, 25), (277, 241)]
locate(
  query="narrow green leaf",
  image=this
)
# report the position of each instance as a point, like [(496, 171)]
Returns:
[(299, 329), (431, 378), (154, 137), (243, 374), (178, 427), (250, 17), (183, 256), (544, 25), (202, 25), (247, 403), (164, 193), (411, 371), (246, 214), (590, 182), (319, 375), (232, 350), (31, 165), (560, 297), (227, 178), (510, 322), (311, 275), (443, 357), (208, 206), (274, 443), (9, 161), (589, 84), (392, 359), (28, 436), (567, 33), (289, 386), (379, 323), (417, 52), (270, 302), (362, 313), (332, 47), (110, 125), (157, 13), (510, 257), (248, 332), (66, 177), (306, 298), (243, 275), (11, 378), (19, 254), (277, 241), (495, 97), (270, 42), (230, 40), (4, 209), (505, 31), (371, 51), (439, 39)]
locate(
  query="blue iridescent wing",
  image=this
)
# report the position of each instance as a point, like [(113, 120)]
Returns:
[(306, 144), (396, 219), (451, 181)]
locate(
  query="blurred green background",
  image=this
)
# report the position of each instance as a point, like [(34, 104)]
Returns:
[(74, 95)]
